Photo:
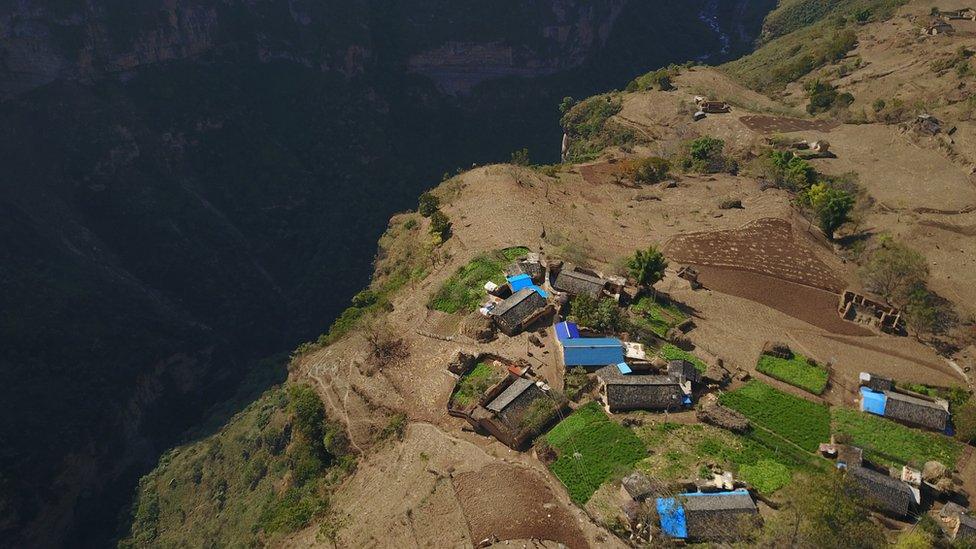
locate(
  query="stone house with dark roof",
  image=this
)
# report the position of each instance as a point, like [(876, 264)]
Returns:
[(682, 369), (519, 311), (917, 411), (882, 492), (574, 282), (719, 516), (517, 412), (626, 392)]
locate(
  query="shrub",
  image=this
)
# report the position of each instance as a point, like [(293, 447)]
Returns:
[(893, 270), (521, 157), (704, 155), (823, 97), (650, 170)]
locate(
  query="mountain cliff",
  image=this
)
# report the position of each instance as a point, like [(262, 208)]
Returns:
[(194, 186)]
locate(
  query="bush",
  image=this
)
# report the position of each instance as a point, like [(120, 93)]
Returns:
[(704, 155), (894, 270), (650, 170), (823, 97), (521, 157)]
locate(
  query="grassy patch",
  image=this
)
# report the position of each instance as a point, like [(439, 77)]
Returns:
[(678, 451), (797, 420), (475, 383), (592, 449), (890, 443), (796, 371), (671, 352), (464, 290), (655, 316)]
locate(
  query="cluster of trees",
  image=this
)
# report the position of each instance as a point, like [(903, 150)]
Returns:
[(900, 275), (429, 206), (706, 155), (824, 97), (645, 267)]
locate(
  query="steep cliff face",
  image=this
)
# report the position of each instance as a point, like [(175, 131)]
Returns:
[(191, 185)]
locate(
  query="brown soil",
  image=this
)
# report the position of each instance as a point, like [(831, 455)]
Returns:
[(780, 124), (766, 246), (811, 305), (601, 172), (507, 502)]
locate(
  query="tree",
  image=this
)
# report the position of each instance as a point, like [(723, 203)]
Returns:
[(647, 266), (650, 170), (964, 420), (893, 270), (428, 204), (566, 104), (821, 512), (602, 315), (521, 157), (831, 206), (440, 225), (704, 155)]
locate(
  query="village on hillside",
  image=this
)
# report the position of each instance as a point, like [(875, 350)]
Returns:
[(621, 351)]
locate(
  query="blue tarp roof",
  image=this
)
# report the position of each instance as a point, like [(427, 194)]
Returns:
[(873, 401), (624, 369), (672, 517), (521, 281), (567, 330), (593, 351), (674, 523)]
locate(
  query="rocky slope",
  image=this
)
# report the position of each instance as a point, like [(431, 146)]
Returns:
[(194, 185)]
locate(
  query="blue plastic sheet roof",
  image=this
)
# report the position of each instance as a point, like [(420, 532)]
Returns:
[(873, 401), (521, 281), (672, 517), (593, 351), (624, 369), (567, 330)]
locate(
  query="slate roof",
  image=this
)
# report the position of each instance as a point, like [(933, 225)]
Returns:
[(717, 516), (640, 392), (576, 283), (510, 314), (881, 491), (967, 528), (509, 394), (684, 369), (916, 411)]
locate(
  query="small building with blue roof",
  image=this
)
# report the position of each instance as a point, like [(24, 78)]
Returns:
[(591, 351), (701, 516), (522, 281)]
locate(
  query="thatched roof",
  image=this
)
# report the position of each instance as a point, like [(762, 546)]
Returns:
[(882, 492), (916, 411)]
